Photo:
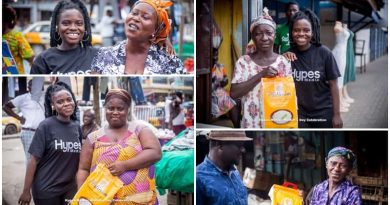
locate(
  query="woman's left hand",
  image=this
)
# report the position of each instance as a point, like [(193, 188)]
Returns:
[(290, 56), (117, 168), (337, 122)]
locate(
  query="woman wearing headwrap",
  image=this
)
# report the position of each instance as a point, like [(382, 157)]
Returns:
[(260, 62), (147, 28), (128, 149), (337, 190)]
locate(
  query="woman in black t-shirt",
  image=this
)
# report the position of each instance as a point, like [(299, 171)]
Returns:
[(315, 73), (71, 50), (55, 151)]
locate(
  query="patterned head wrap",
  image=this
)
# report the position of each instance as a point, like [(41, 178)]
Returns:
[(163, 24), (264, 19), (344, 152), (118, 93)]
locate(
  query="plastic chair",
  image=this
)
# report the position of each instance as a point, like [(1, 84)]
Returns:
[(359, 51)]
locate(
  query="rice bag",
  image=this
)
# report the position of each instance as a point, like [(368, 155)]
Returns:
[(278, 103), (98, 189)]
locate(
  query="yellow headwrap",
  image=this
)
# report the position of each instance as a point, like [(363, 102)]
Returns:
[(163, 24)]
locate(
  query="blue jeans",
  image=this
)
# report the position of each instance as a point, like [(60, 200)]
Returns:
[(136, 90)]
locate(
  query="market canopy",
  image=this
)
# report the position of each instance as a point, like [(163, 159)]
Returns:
[(364, 7)]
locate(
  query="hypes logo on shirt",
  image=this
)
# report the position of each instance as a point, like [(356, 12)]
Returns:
[(79, 72), (307, 76), (67, 146)]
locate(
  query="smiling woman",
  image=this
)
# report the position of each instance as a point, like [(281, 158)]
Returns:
[(315, 74), (128, 149), (55, 151), (147, 29), (337, 189), (70, 40)]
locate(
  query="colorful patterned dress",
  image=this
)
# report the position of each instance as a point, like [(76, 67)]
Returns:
[(139, 185), (112, 60), (20, 48), (244, 70)]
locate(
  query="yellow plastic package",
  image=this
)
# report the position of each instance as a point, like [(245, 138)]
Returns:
[(282, 195), (98, 189), (278, 103)]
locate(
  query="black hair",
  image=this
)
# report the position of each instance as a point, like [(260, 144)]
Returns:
[(9, 17), (289, 4), (48, 101), (91, 112), (63, 6), (314, 22), (179, 94)]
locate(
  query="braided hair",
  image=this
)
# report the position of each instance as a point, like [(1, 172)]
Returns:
[(314, 22), (63, 6), (51, 90)]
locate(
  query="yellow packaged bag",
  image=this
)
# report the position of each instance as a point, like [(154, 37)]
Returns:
[(98, 189), (282, 195), (278, 103)]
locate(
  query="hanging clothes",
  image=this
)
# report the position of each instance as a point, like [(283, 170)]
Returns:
[(37, 88), (350, 70), (340, 52), (5, 96), (88, 82), (22, 84), (11, 87), (136, 90)]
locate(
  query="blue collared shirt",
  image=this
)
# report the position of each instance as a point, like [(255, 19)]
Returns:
[(217, 187)]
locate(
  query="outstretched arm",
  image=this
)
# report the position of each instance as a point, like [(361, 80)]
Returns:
[(8, 108)]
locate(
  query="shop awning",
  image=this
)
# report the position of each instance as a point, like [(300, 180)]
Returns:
[(364, 7)]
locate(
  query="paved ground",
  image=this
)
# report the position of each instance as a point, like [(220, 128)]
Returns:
[(14, 170), (370, 91)]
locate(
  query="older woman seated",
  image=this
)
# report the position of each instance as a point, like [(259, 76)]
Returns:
[(147, 28), (337, 189), (129, 151)]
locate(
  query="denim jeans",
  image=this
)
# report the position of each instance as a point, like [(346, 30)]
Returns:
[(136, 90)]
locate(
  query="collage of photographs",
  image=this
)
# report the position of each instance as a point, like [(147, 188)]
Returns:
[(194, 102)]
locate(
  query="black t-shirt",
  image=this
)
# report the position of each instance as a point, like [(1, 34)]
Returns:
[(312, 72), (54, 61), (57, 144)]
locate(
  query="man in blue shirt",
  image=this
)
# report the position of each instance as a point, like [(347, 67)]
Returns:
[(218, 182)]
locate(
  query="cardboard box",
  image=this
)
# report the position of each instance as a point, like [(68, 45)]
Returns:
[(259, 180)]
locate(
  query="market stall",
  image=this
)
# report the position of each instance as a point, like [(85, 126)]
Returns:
[(175, 170)]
